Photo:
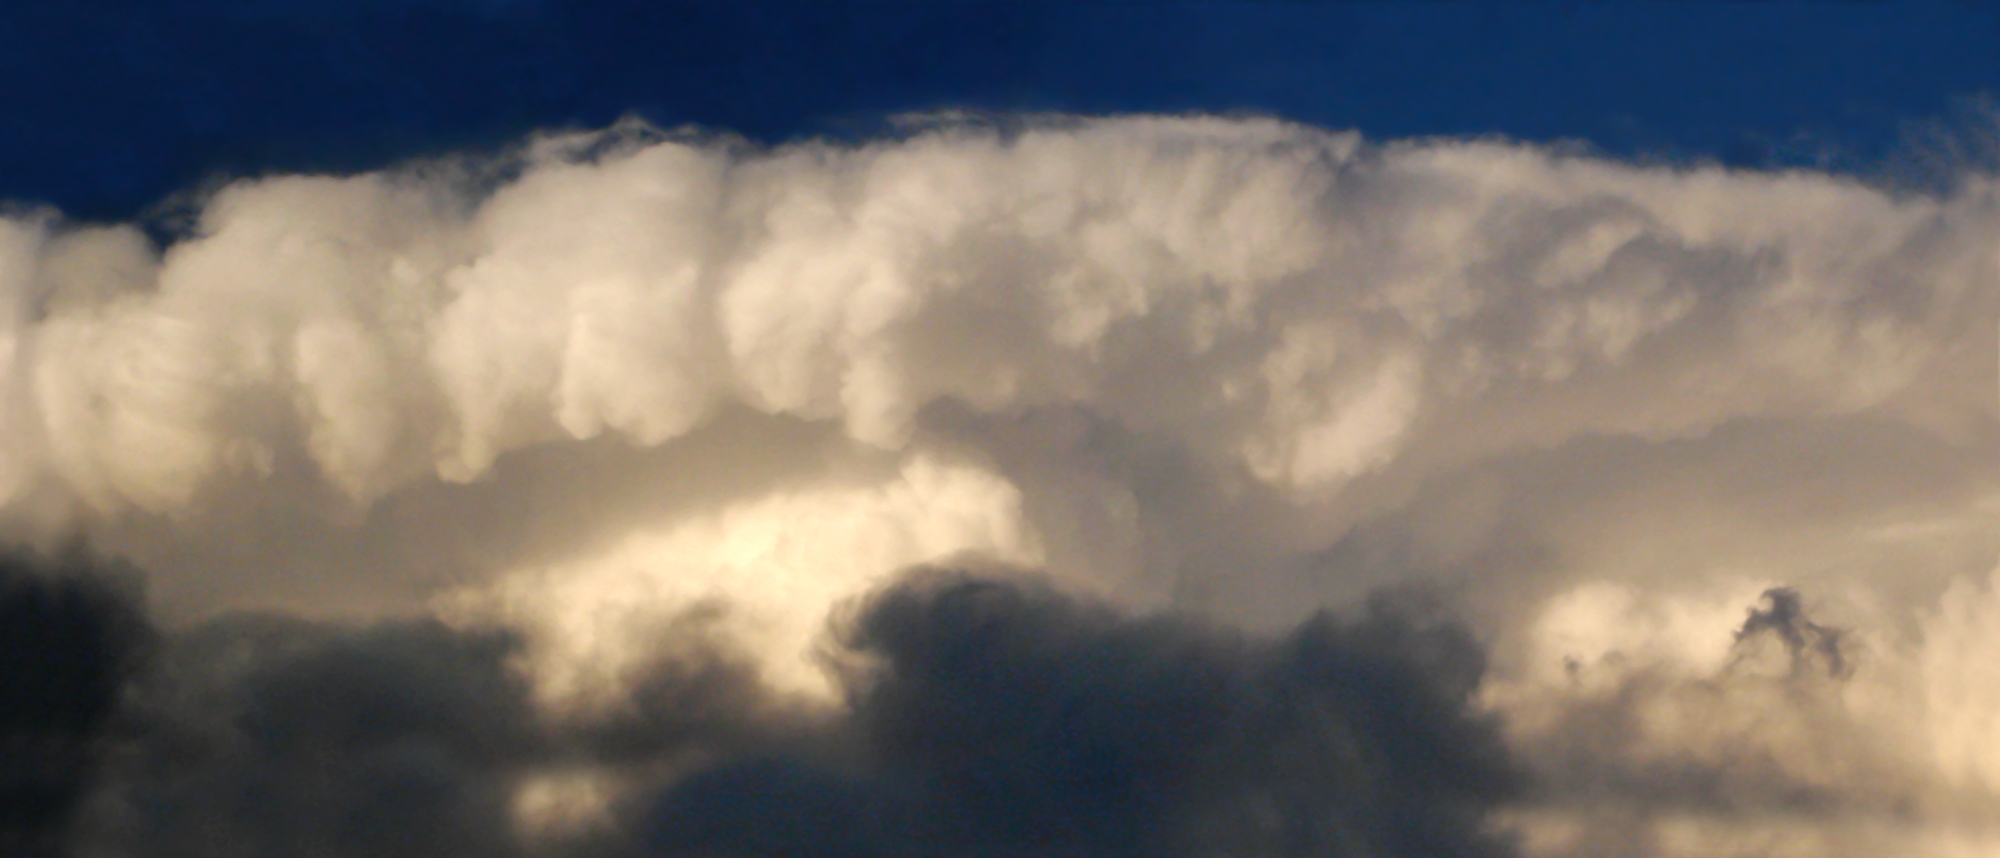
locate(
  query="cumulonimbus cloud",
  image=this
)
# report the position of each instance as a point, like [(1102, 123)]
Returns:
[(1236, 367)]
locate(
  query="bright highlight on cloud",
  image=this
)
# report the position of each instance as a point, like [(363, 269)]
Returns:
[(1704, 459)]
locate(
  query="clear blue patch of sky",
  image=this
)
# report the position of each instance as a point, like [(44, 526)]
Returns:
[(106, 106)]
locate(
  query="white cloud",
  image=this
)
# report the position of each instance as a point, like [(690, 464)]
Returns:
[(1248, 365)]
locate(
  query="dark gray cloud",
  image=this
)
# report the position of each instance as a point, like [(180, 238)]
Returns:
[(72, 632), (265, 735), (985, 714), (271, 736), (999, 718)]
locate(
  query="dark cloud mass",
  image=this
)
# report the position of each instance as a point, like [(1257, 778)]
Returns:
[(71, 634), (1004, 719), (984, 715), (267, 736)]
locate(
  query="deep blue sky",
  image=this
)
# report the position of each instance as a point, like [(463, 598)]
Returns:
[(106, 107)]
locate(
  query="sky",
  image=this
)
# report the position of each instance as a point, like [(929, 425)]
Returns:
[(113, 106), (526, 428)]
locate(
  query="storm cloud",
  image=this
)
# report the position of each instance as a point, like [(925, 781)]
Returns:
[(559, 498)]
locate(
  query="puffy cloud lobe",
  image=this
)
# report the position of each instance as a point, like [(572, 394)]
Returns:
[(1962, 700), (780, 563)]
